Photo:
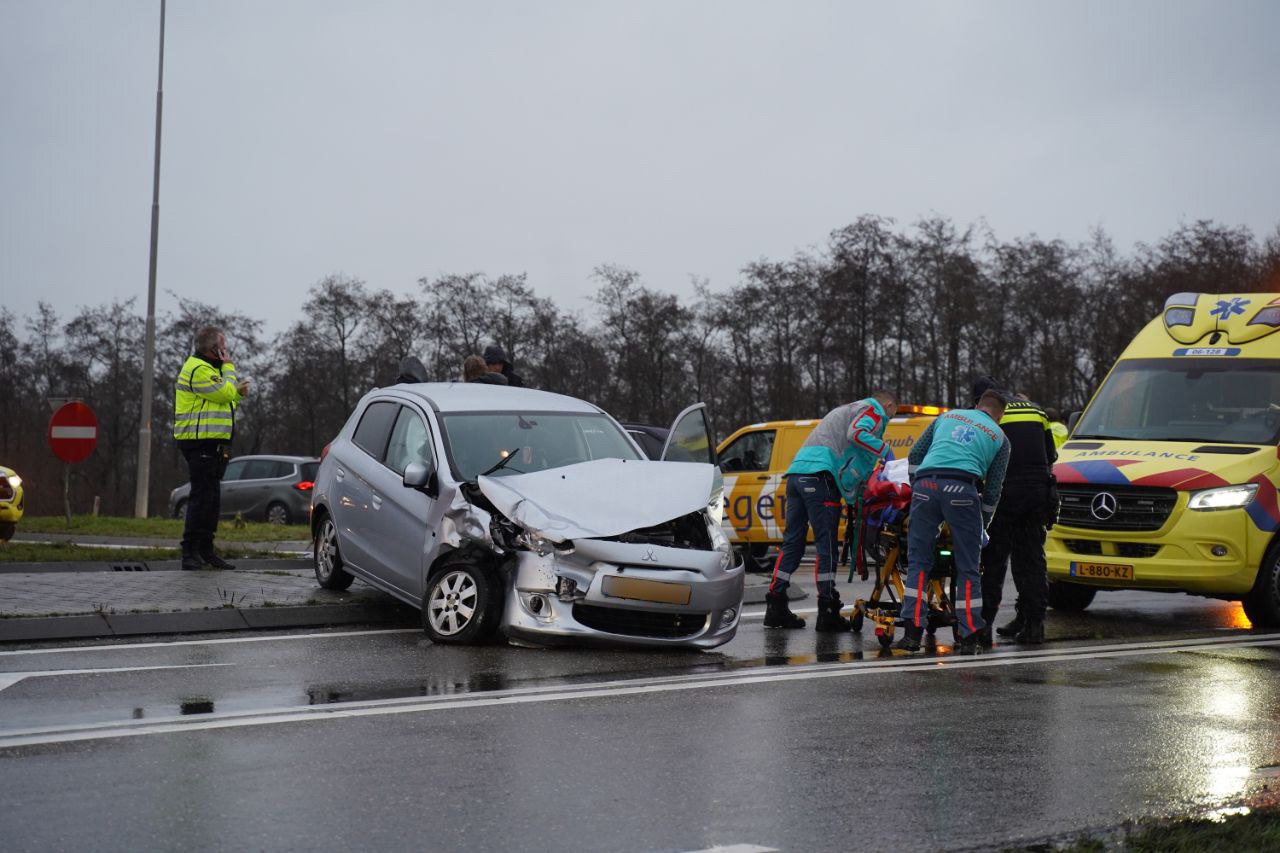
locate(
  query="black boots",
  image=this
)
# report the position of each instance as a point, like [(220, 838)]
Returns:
[(983, 636), (1014, 627), (190, 560), (1032, 633), (911, 636), (829, 619), (972, 644), (211, 559), (777, 614)]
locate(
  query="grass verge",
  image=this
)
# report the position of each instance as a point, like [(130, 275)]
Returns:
[(159, 528), (38, 552), (1258, 830)]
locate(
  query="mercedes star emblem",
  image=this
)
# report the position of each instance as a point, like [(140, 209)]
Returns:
[(1104, 506)]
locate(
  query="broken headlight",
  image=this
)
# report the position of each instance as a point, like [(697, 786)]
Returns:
[(535, 543), (719, 542)]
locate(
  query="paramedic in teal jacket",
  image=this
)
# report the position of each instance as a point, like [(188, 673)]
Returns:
[(957, 470), (834, 461)]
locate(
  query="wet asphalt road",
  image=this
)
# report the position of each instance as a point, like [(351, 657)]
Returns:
[(1145, 705)]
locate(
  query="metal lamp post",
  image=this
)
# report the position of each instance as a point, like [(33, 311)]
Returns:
[(142, 493)]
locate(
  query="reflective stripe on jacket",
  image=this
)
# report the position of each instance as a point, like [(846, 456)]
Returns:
[(205, 400)]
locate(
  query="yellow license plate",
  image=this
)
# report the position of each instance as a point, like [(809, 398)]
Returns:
[(638, 589), (1102, 571)]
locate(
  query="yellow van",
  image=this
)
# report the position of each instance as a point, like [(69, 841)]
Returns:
[(1168, 481), (754, 459)]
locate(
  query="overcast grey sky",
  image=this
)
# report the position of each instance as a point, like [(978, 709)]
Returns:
[(392, 140)]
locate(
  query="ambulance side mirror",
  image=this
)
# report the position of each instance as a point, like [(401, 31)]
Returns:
[(1072, 420)]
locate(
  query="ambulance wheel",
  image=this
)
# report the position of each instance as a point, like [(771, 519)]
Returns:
[(1262, 604), (7, 529), (1070, 597)]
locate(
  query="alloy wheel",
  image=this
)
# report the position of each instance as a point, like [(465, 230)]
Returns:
[(326, 550), (452, 603), (277, 514)]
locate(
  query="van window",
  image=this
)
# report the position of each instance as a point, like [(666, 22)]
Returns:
[(375, 427), (1187, 399), (749, 452)]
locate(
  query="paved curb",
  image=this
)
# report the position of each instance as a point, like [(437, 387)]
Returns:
[(90, 540), (262, 564), (36, 628), (388, 612)]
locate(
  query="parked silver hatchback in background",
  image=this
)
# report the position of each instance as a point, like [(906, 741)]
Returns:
[(494, 508), (271, 488)]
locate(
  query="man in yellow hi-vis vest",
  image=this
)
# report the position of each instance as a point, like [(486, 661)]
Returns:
[(203, 423)]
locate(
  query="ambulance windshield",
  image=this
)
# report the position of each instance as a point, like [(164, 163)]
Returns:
[(1228, 400)]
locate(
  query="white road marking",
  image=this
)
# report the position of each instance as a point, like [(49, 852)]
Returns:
[(759, 614), (737, 848), (608, 689), (274, 638), (8, 679)]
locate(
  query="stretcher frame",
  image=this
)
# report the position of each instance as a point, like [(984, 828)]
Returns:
[(885, 549)]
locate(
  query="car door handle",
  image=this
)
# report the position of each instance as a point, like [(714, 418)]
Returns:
[(339, 475), (760, 478), (377, 501)]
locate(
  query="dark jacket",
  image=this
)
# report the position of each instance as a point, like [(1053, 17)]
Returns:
[(490, 379), (1032, 450)]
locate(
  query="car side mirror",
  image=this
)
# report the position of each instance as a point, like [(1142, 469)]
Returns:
[(1072, 420), (420, 476)]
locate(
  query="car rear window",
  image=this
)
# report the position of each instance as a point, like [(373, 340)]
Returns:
[(375, 427)]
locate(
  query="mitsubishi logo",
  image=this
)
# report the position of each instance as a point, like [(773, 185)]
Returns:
[(649, 556), (1104, 506)]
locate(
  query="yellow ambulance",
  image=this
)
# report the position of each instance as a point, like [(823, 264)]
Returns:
[(1169, 479), (754, 459)]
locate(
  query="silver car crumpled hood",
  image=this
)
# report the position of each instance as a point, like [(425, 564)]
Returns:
[(604, 497)]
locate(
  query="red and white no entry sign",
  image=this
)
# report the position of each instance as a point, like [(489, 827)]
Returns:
[(73, 432)]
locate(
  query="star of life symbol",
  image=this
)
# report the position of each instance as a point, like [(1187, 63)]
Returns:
[(964, 435), (1225, 309)]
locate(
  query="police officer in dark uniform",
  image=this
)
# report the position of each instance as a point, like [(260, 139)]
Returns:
[(1027, 506)]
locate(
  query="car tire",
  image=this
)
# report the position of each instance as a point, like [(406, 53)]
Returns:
[(1070, 597), (278, 513), (180, 511), (1262, 604), (327, 559), (462, 604), (7, 529)]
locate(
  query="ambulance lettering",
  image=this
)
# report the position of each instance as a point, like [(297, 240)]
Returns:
[(1142, 454)]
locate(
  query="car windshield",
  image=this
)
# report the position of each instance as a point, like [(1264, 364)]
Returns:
[(530, 441), (1187, 399)]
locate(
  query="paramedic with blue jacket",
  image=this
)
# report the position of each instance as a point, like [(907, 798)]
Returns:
[(832, 465), (957, 471)]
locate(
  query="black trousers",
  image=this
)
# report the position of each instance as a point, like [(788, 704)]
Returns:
[(204, 464), (1017, 539)]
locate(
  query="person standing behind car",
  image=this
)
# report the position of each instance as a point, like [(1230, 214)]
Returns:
[(838, 456), (495, 359), (203, 424), (1027, 505), (475, 370)]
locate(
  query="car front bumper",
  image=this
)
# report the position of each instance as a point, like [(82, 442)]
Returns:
[(538, 609)]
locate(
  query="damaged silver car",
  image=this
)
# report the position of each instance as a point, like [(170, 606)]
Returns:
[(530, 514)]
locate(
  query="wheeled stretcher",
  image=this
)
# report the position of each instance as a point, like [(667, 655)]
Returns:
[(877, 536)]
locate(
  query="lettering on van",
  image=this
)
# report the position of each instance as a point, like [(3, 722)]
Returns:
[(742, 510), (1141, 454)]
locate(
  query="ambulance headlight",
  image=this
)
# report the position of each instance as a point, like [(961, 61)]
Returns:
[(15, 480), (1226, 497)]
